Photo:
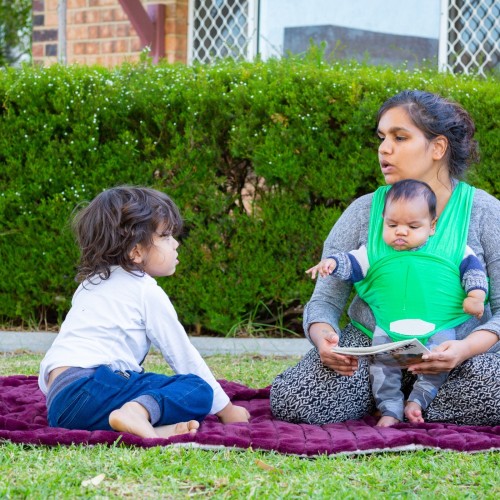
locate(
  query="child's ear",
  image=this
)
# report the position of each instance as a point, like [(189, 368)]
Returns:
[(433, 225), (136, 254)]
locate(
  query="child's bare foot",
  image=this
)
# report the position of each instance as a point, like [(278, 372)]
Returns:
[(387, 421), (166, 431), (134, 419), (413, 412)]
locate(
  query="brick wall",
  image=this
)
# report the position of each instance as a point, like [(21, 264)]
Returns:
[(99, 32)]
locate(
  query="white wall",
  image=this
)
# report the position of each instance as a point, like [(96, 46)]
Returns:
[(399, 17)]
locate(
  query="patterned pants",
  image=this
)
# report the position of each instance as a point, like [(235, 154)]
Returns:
[(311, 393)]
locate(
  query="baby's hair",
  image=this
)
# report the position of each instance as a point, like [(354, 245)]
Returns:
[(410, 189), (115, 221)]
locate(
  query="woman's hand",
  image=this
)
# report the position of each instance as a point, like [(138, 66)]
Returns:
[(451, 353), (324, 338), (231, 414), (442, 358)]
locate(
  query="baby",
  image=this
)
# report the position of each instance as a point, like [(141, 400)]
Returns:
[(409, 221)]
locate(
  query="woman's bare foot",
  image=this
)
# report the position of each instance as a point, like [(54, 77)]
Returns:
[(413, 412), (387, 421), (134, 419)]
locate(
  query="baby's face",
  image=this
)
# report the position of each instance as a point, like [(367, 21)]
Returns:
[(407, 224)]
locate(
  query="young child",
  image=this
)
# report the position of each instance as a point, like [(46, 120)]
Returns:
[(409, 221), (92, 373)]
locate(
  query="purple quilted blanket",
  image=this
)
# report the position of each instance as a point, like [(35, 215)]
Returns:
[(23, 420)]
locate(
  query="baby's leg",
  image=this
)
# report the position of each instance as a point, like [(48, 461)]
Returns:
[(133, 418), (386, 386), (427, 386)]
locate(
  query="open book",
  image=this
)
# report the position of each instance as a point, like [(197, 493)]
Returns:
[(403, 353)]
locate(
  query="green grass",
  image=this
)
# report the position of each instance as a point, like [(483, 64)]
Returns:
[(162, 472)]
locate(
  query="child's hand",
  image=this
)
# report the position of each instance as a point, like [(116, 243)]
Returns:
[(474, 307), (232, 413), (324, 268)]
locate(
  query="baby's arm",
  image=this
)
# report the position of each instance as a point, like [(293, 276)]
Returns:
[(324, 268), (474, 303), (474, 282)]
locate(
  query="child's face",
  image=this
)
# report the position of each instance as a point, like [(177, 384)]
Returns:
[(160, 259), (407, 224)]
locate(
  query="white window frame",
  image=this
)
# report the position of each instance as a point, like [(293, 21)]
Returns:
[(252, 34), (444, 51)]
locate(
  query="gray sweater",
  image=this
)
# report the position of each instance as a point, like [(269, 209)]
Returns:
[(351, 231)]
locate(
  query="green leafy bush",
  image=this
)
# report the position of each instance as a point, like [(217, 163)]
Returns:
[(261, 158)]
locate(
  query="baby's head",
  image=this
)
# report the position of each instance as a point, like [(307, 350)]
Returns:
[(115, 222), (409, 214)]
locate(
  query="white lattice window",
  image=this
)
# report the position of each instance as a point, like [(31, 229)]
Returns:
[(221, 28), (470, 35)]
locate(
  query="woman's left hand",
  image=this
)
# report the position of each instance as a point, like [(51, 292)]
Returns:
[(451, 353), (442, 358)]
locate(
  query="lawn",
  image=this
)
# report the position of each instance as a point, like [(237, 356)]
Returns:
[(65, 472)]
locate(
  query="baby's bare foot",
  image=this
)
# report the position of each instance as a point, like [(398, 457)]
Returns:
[(166, 431), (134, 419), (387, 421), (413, 412)]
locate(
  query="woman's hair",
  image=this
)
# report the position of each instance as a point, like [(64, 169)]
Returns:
[(411, 189), (434, 115), (115, 221)]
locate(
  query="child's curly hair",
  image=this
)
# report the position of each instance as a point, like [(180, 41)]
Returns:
[(115, 221)]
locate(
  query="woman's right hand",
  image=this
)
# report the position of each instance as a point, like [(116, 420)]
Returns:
[(324, 337)]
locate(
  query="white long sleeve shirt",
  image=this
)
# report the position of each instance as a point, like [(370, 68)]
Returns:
[(115, 322)]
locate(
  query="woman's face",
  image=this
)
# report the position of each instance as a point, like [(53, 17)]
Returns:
[(404, 151)]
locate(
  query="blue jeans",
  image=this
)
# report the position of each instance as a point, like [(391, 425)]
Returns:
[(87, 402)]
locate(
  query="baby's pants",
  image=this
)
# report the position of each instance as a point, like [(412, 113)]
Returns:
[(85, 402), (386, 380)]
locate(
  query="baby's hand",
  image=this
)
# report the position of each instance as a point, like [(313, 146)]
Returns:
[(324, 268), (474, 306)]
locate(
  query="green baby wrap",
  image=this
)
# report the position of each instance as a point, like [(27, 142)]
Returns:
[(418, 293)]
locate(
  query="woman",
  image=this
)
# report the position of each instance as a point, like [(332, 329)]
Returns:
[(425, 137)]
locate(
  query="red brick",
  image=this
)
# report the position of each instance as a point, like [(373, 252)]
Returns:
[(37, 50), (79, 48), (120, 15), (93, 32), (122, 30), (102, 3), (51, 20), (51, 5), (77, 17), (92, 48), (93, 16), (122, 45), (78, 32), (107, 31), (77, 4), (107, 47), (135, 45)]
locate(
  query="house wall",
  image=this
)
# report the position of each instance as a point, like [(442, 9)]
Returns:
[(99, 32), (361, 27)]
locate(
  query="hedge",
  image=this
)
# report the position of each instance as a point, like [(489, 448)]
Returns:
[(261, 158)]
